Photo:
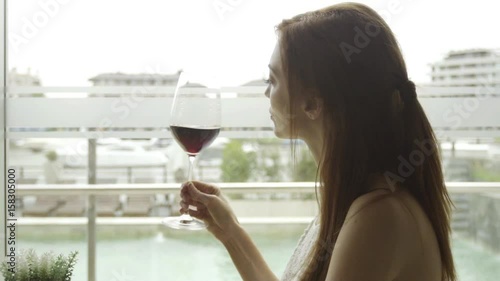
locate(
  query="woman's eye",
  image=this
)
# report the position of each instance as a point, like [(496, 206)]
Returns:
[(267, 81)]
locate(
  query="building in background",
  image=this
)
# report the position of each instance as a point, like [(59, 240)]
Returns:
[(134, 80), (15, 78), (255, 83), (463, 160), (251, 88), (468, 68), (142, 79)]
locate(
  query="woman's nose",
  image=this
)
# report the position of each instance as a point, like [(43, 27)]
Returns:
[(266, 93)]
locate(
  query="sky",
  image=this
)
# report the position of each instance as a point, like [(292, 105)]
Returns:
[(66, 42)]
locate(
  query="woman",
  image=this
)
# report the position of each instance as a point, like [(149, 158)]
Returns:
[(338, 81)]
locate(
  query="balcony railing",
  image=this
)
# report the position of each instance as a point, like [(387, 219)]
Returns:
[(228, 188), (454, 112)]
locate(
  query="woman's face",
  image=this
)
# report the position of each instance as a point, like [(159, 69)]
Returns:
[(277, 92)]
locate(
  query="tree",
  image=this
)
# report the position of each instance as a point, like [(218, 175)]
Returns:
[(236, 164), (305, 169), (272, 171)]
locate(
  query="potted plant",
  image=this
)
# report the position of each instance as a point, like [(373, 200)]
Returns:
[(48, 267)]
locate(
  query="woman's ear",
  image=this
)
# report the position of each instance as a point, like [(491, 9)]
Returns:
[(313, 107)]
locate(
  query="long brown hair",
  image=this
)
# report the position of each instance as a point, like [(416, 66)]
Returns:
[(374, 123)]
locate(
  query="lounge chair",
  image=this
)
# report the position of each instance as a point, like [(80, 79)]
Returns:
[(137, 205), (73, 206), (43, 207)]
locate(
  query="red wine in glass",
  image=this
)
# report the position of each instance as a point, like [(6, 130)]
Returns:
[(194, 139), (195, 121)]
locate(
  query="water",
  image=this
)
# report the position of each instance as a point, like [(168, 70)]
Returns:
[(197, 256), (474, 263)]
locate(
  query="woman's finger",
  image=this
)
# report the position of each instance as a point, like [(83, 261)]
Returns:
[(199, 214), (198, 206), (184, 205), (206, 188), (199, 196), (201, 186), (185, 195)]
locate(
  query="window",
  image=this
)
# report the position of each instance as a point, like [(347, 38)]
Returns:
[(89, 73)]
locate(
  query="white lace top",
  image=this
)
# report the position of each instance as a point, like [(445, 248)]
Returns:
[(296, 264)]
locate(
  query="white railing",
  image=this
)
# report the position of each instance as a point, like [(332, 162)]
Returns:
[(91, 190), (227, 188), (454, 111)]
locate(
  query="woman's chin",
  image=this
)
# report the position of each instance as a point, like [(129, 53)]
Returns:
[(280, 133)]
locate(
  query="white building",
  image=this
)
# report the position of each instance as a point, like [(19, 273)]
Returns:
[(142, 79), (134, 80), (15, 78), (468, 68)]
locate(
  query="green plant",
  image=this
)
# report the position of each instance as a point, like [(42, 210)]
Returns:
[(305, 169), (51, 155), (268, 141), (481, 173), (48, 267), (272, 171), (236, 165)]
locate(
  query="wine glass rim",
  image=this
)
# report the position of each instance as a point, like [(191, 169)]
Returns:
[(198, 79), (207, 127)]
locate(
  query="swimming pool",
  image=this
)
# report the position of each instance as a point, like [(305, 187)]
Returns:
[(186, 256)]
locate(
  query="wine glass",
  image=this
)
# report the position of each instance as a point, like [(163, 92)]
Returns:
[(194, 123)]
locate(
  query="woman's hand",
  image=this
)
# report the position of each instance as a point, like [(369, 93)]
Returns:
[(214, 210), (211, 206)]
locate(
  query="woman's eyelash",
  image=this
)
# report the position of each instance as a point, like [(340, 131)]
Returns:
[(267, 81)]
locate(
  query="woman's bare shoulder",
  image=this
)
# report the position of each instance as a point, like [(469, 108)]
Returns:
[(373, 199), (370, 239)]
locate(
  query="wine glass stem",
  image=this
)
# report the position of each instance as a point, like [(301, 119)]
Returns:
[(190, 169), (190, 178)]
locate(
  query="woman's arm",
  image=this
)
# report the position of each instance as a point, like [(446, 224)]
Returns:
[(214, 210)]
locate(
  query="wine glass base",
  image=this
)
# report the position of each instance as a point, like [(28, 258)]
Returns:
[(184, 222)]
